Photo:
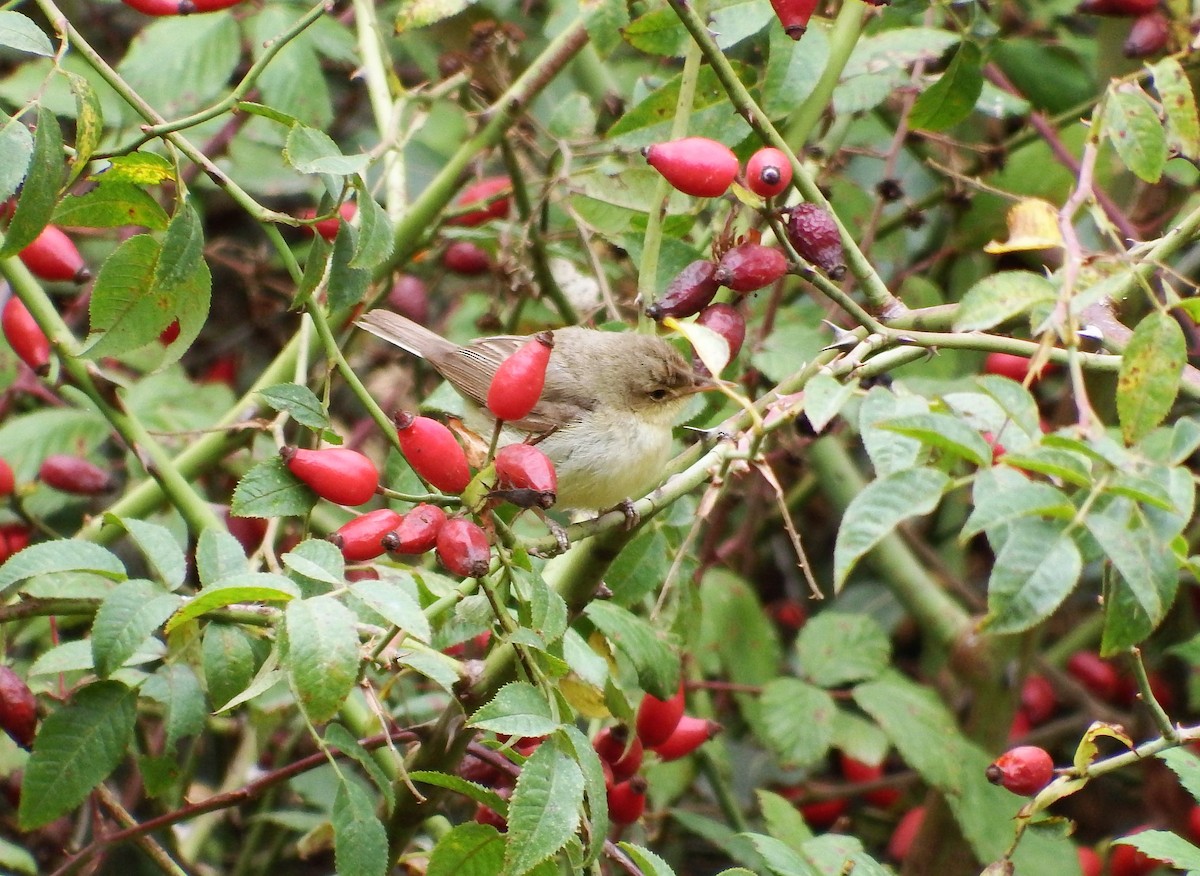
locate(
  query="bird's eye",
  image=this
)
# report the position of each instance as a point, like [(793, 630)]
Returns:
[(658, 394)]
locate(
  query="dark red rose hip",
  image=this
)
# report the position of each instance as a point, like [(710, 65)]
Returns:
[(464, 257), (410, 297), (417, 532), (518, 382), (18, 708), (338, 474), (53, 256), (1148, 36), (750, 267), (361, 539), (688, 293), (726, 321), (462, 547), (73, 474), (696, 166), (768, 172), (25, 336), (1119, 8), (433, 452), (815, 236)]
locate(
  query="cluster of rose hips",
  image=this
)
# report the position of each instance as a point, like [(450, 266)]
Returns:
[(524, 475), (62, 472), (704, 168), (663, 728), (1151, 30)]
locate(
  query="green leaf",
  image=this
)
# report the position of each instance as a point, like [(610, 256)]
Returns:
[(229, 660), (658, 32), (1147, 566), (300, 403), (779, 858), (881, 507), (77, 657), (243, 587), (114, 205), (888, 451), (16, 150), (793, 69), (736, 20), (360, 843), (468, 850), (1053, 462), (176, 686), (395, 605), (1036, 568), (139, 168), (824, 397), (317, 560), (180, 64), (159, 547), (63, 555), (649, 863), (375, 241), (783, 819), (461, 786), (422, 13), (1151, 367), (835, 648), (1002, 495), (89, 126), (127, 617), (650, 120), (544, 810), (44, 176), (347, 284), (1179, 104), (951, 99), (656, 664), (20, 33), (218, 555), (312, 151), (579, 747), (998, 298), (1015, 400), (518, 709), (795, 720), (76, 748), (734, 627), (16, 859), (1186, 765), (322, 654), (342, 739), (1162, 845), (270, 490), (945, 432), (1132, 124), (294, 82)]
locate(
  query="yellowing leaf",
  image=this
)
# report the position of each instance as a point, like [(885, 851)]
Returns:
[(1032, 224)]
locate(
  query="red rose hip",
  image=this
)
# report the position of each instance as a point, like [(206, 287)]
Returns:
[(484, 196), (657, 719), (814, 234), (464, 257), (524, 467), (1096, 674), (18, 708), (361, 539), (462, 547), (433, 452), (417, 532), (794, 15), (25, 336), (1024, 770), (53, 256), (73, 474), (621, 751), (518, 382), (750, 267), (8, 480), (726, 321), (687, 294), (1148, 36), (696, 166), (338, 474), (626, 800), (689, 734), (768, 172)]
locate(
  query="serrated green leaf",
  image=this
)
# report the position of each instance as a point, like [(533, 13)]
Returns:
[(576, 745), (294, 83), (1186, 765), (312, 151), (201, 51), (39, 191), (951, 99), (650, 120), (16, 150), (1179, 104), (998, 298), (375, 239), (656, 664), (824, 397), (20, 33), (888, 451), (1036, 568), (835, 648), (63, 555), (468, 850), (128, 616), (881, 507), (778, 857), (218, 555), (945, 432), (518, 709), (159, 547), (1148, 382), (1164, 846), (422, 13), (318, 560), (229, 661), (649, 863), (89, 126), (735, 627), (1131, 122), (322, 654), (1053, 462), (139, 168), (544, 810), (270, 490), (243, 587), (472, 791), (657, 32), (347, 285), (176, 686), (1147, 566), (76, 748), (301, 404), (396, 606), (795, 720), (783, 819), (793, 69), (1015, 400), (360, 844), (114, 205), (1002, 495), (77, 657)]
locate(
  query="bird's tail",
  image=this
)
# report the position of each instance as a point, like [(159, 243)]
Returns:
[(406, 334)]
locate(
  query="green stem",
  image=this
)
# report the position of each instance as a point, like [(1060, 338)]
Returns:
[(847, 28)]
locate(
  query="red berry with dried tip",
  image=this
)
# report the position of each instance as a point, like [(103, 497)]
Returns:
[(687, 294), (696, 166), (485, 197), (750, 267), (768, 172), (1148, 36), (1024, 770), (433, 452), (25, 336), (1119, 8), (794, 15), (657, 719), (338, 474), (519, 380), (361, 539), (18, 708), (54, 256), (464, 257), (815, 236), (417, 532), (73, 474), (689, 734), (620, 750), (726, 321), (462, 547), (524, 467), (626, 800), (8, 480)]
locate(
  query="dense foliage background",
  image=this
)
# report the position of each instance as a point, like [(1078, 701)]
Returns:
[(885, 555)]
